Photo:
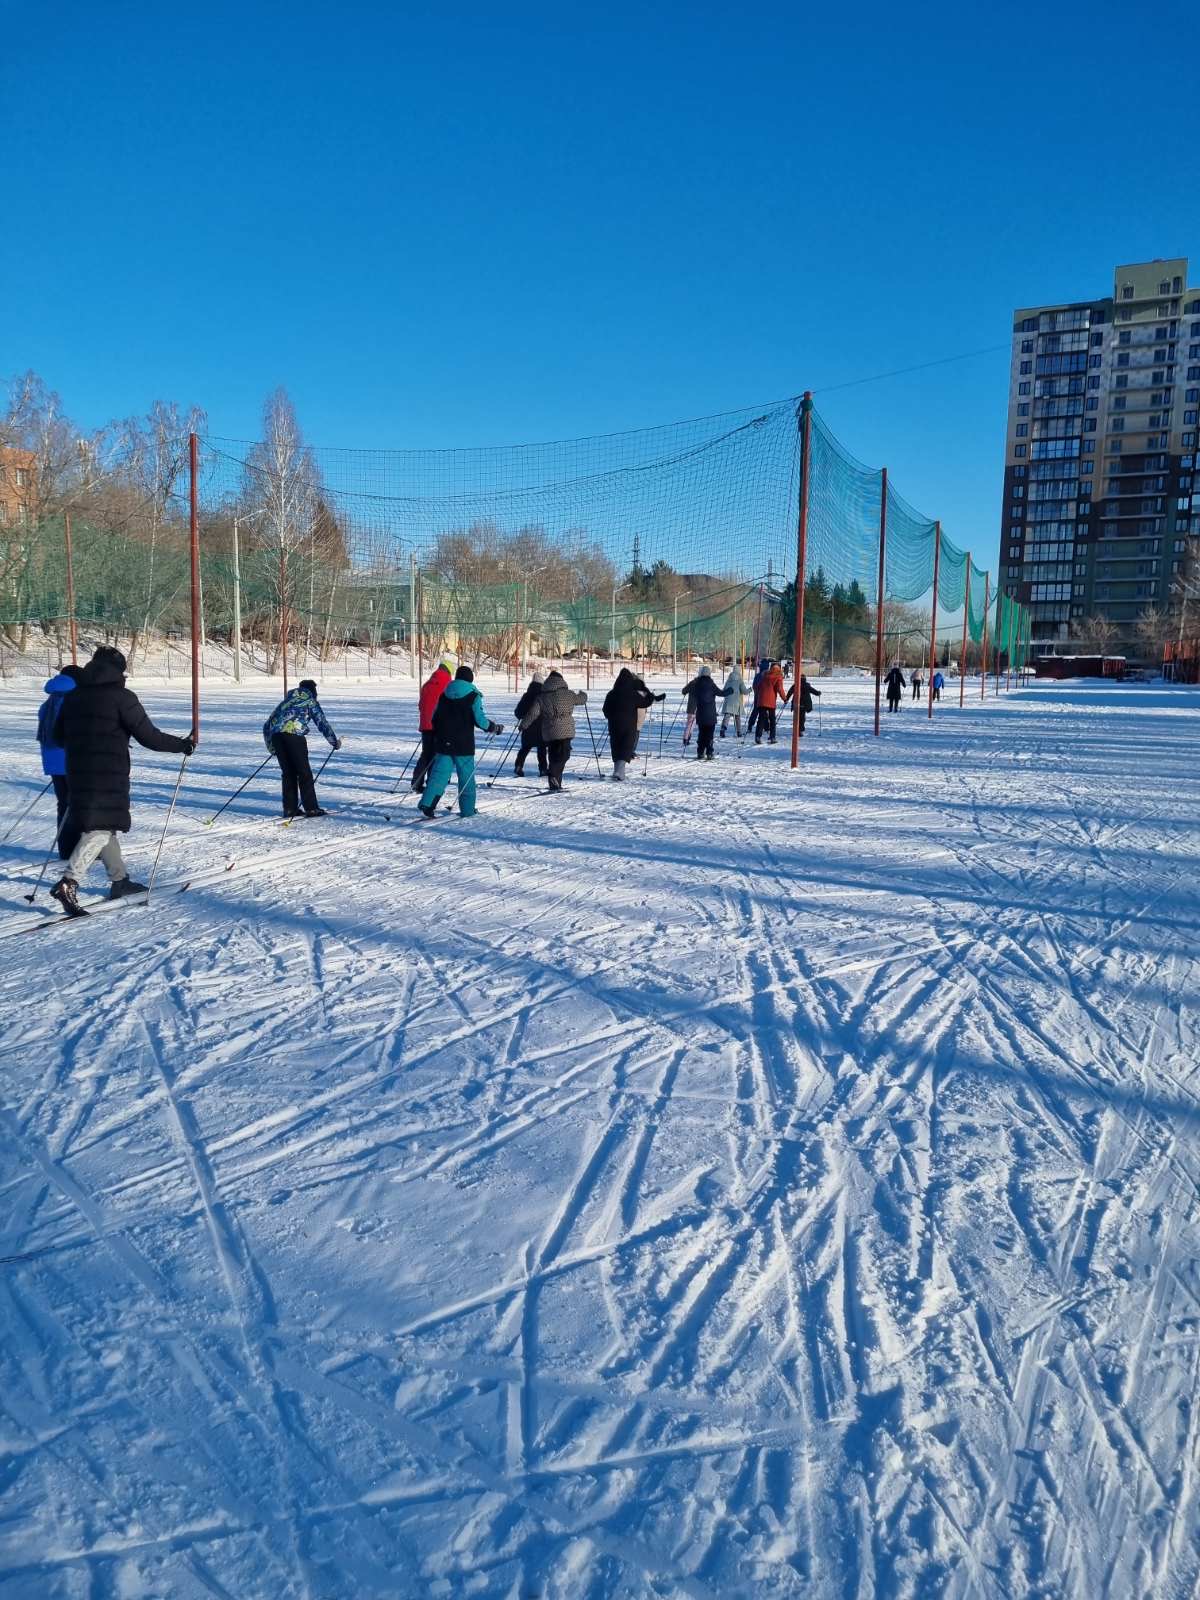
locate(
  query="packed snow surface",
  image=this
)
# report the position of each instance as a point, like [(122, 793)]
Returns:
[(736, 1183)]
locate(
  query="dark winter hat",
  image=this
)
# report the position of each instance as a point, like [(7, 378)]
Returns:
[(108, 655), (465, 675), (72, 672), (308, 683)]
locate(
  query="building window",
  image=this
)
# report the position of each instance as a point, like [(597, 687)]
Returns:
[(1190, 416), (1019, 450), (1127, 291), (1116, 425), (1022, 429), (1026, 366), (1023, 408), (1097, 340), (22, 477), (1094, 361), (1192, 394), (1123, 360), (1018, 472), (1024, 388), (1026, 347)]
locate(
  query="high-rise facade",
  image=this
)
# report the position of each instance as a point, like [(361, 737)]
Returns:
[(1104, 397)]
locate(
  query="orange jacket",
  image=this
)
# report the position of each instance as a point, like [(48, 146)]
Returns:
[(770, 687)]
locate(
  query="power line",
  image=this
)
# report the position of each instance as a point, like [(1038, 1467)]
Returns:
[(923, 366)]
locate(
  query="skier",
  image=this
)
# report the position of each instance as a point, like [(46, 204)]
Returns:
[(734, 693), (622, 703), (532, 739), (94, 726), (895, 685), (916, 685), (702, 692), (456, 716), (284, 734), (432, 691), (552, 711), (54, 757), (770, 687), (801, 695), (939, 683)]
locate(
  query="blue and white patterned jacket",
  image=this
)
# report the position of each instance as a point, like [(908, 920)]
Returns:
[(293, 715)]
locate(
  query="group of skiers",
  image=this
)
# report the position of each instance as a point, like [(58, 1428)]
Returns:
[(89, 716), (895, 684)]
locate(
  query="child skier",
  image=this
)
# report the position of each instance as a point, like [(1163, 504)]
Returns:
[(284, 734), (457, 714), (553, 714), (702, 693), (54, 757), (801, 696)]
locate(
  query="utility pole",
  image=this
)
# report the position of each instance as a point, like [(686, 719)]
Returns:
[(237, 604), (413, 670)]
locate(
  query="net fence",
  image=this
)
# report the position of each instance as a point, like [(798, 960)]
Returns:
[(654, 543)]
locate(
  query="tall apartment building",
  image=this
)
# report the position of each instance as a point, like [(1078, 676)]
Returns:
[(1103, 402)]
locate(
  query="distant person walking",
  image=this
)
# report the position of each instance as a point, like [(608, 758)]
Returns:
[(939, 683), (895, 685), (801, 694), (285, 734), (94, 726), (553, 712), (916, 685)]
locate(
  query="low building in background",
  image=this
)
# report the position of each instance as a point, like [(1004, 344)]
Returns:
[(18, 480)]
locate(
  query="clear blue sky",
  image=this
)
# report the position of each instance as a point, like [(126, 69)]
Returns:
[(486, 223)]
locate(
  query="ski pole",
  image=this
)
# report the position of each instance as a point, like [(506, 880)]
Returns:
[(504, 758), (27, 810), (670, 727), (323, 765), (237, 792), (407, 764), (595, 748), (49, 853), (162, 836)]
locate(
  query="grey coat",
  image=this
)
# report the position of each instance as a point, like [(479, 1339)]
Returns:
[(553, 709), (735, 693)]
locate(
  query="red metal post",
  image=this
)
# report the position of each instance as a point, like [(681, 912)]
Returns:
[(71, 590), (987, 601), (962, 663), (801, 567), (883, 494), (937, 563), (194, 551)]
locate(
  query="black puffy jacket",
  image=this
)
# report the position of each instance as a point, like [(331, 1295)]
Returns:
[(95, 726), (627, 696), (702, 693)]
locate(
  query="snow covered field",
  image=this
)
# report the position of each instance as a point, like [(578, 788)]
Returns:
[(733, 1184)]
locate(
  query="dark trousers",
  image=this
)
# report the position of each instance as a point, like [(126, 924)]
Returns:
[(704, 739), (424, 762), (937, 693), (765, 724), (299, 790), (68, 833), (530, 741), (558, 753), (916, 691), (624, 743), (894, 701)]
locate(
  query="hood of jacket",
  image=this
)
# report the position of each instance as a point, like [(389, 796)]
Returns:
[(459, 689), (58, 684), (100, 674), (555, 680)]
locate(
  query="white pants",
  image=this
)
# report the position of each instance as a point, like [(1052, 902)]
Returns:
[(100, 844)]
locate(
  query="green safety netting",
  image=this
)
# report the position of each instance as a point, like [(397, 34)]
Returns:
[(507, 546)]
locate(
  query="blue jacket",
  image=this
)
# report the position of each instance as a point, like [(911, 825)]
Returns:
[(54, 757), (294, 713), (938, 681)]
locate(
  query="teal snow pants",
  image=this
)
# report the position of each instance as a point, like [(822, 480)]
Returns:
[(439, 778)]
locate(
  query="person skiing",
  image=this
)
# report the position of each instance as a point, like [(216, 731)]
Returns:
[(54, 757), (801, 695), (770, 687), (432, 691), (916, 685), (456, 716), (895, 685), (284, 734), (94, 725), (552, 711), (939, 683), (627, 697), (702, 693), (531, 739), (734, 693)]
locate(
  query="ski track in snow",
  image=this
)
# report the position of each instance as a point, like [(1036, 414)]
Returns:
[(730, 1184)]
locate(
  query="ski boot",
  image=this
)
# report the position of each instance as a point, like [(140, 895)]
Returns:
[(66, 892), (120, 887)]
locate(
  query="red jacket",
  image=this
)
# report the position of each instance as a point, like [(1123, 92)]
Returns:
[(769, 689), (431, 692)]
